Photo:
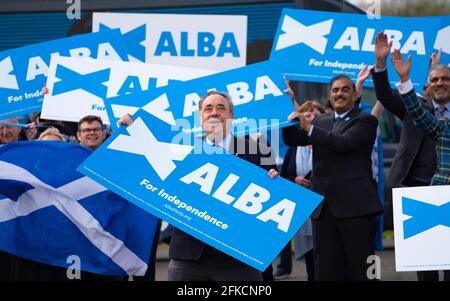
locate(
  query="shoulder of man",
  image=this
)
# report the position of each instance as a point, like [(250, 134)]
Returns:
[(247, 145), (366, 117), (323, 117)]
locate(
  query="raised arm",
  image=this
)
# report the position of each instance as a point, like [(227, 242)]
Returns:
[(383, 91), (377, 109), (422, 118)]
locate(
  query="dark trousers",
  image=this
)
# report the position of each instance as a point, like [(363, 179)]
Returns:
[(309, 261), (342, 246), (285, 263), (5, 266)]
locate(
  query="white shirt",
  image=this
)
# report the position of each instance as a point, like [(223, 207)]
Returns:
[(224, 143)]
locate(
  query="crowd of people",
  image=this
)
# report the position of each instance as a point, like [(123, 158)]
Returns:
[(329, 152)]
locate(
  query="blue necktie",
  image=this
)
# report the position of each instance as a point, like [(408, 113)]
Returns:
[(337, 121)]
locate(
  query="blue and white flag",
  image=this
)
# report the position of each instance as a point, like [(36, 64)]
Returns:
[(256, 91), (226, 202), (320, 45), (422, 228), (23, 71), (51, 212)]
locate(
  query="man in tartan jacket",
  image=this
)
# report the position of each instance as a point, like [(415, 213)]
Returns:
[(437, 126)]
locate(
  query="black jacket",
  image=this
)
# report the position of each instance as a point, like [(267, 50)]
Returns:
[(416, 153), (342, 165), (186, 247)]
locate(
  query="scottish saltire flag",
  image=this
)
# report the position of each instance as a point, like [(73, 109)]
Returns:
[(52, 212), (422, 228)]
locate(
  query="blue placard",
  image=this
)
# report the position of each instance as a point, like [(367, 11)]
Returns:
[(214, 196), (23, 71), (443, 40), (256, 91), (320, 45)]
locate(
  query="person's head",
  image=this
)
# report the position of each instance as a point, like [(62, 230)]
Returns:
[(51, 134), (90, 132), (343, 94), (216, 114), (438, 87), (9, 133), (313, 107), (47, 122)]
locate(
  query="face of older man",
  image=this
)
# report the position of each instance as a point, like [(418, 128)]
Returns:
[(216, 117), (91, 134), (439, 85), (9, 133)]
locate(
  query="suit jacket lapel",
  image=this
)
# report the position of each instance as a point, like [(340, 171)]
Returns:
[(327, 123)]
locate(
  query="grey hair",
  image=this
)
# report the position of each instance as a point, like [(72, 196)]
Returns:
[(439, 67), (52, 131), (223, 94)]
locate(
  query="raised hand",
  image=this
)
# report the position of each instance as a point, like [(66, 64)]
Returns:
[(362, 77), (382, 49), (401, 67), (435, 58), (125, 120), (291, 93), (363, 74)]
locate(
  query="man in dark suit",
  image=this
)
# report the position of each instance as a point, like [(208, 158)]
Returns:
[(190, 258), (345, 225), (415, 160)]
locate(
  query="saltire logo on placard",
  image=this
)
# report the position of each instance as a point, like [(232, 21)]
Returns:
[(296, 33), (7, 80), (424, 216), (91, 82), (133, 40)]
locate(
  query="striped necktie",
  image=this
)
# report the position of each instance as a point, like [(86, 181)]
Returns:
[(337, 121)]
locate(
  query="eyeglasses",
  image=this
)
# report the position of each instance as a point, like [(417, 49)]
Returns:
[(93, 130)]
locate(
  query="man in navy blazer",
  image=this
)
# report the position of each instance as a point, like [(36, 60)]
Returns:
[(345, 225)]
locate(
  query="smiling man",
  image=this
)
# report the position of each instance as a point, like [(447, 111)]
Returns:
[(9, 133), (190, 258), (345, 224), (90, 132)]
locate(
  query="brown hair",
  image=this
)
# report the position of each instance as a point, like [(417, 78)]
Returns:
[(310, 105), (89, 119)]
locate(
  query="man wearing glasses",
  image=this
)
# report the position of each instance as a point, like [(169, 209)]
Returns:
[(90, 132)]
